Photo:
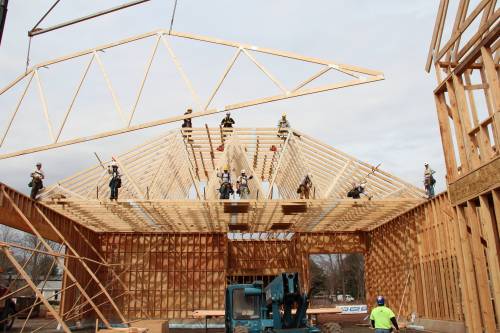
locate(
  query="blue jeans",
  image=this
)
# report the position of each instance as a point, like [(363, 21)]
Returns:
[(430, 190), (382, 330)]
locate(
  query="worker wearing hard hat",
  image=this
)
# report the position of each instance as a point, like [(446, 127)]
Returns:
[(36, 182), (429, 180), (187, 125), (305, 187), (356, 191), (283, 126), (226, 187), (382, 318), (227, 121), (242, 184), (116, 182)]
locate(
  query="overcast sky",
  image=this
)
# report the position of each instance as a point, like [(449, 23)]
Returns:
[(392, 122)]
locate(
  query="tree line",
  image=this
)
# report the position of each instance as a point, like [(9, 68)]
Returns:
[(337, 274)]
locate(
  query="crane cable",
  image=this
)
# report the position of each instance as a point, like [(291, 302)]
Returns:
[(173, 16), (34, 28)]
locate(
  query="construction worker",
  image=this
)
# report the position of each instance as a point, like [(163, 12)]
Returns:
[(187, 124), (116, 182), (226, 187), (36, 183), (382, 318), (356, 191), (429, 180), (283, 126), (242, 185), (227, 121), (305, 187)]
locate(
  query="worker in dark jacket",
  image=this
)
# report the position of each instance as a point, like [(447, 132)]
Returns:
[(187, 122), (116, 182), (382, 318), (227, 122), (187, 125), (356, 191)]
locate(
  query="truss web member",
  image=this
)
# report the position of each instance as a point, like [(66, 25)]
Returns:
[(36, 182), (116, 182), (242, 185), (429, 180), (382, 318)]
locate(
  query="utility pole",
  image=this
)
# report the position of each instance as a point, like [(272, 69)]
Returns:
[(3, 16)]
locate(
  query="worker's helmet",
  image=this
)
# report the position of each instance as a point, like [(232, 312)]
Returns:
[(226, 167), (380, 300), (243, 171), (283, 114), (39, 164), (426, 164)]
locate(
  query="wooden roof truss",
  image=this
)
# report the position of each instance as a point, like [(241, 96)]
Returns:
[(170, 184)]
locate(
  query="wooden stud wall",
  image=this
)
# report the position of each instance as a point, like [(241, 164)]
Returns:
[(412, 261), (168, 275)]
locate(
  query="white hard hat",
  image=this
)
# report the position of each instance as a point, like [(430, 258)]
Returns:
[(426, 163), (243, 171)]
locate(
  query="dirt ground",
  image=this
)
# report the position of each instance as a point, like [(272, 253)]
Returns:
[(349, 323)]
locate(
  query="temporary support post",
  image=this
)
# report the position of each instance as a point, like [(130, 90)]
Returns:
[(28, 280), (51, 252)]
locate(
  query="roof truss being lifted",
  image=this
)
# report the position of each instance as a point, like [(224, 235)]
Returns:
[(170, 184), (126, 120)]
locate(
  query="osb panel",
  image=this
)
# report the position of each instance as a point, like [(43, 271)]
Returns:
[(412, 262)]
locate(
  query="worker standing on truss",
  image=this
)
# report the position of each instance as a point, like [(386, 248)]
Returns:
[(356, 191), (382, 318), (227, 121), (36, 183), (226, 187), (305, 187), (242, 185), (116, 182), (187, 125), (429, 180), (283, 126)]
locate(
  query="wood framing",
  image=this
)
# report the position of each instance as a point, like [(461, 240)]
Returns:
[(161, 187), (468, 106), (413, 262), (353, 76)]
